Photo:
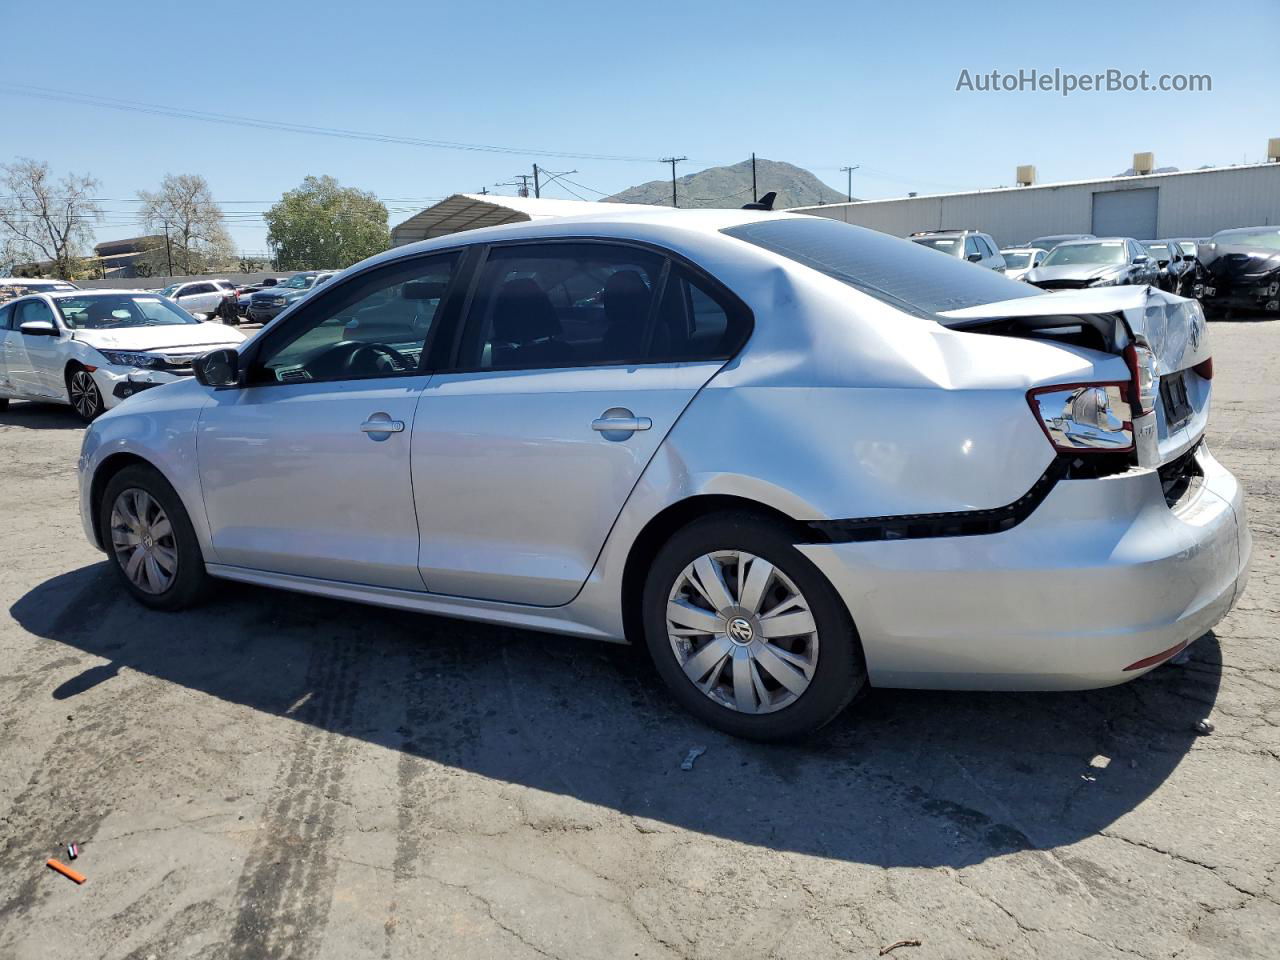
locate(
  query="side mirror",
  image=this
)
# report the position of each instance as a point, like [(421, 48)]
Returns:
[(1141, 261), (218, 368), (1189, 258), (974, 258), (39, 328)]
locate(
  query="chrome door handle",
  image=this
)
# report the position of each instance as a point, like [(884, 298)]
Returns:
[(380, 426), (619, 420), (629, 424)]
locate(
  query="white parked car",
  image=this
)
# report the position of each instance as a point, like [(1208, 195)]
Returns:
[(95, 348), (203, 296), (790, 455), (1019, 261)]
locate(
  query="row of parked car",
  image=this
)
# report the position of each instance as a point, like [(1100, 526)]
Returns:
[(1233, 269), (256, 302)]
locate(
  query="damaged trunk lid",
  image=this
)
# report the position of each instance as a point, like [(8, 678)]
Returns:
[(1160, 335)]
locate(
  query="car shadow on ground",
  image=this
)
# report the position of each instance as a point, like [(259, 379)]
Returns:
[(902, 779), (40, 416)]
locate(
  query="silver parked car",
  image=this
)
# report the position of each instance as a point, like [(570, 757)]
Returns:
[(790, 455)]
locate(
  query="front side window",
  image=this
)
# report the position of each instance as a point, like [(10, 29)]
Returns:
[(374, 325), (121, 310), (6, 315), (561, 305), (971, 247), (32, 310)]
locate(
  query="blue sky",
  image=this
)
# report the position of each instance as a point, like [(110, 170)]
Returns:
[(820, 84)]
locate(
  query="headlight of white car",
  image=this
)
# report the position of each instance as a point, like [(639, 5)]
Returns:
[(122, 359)]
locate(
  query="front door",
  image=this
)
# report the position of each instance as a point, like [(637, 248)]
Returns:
[(35, 362), (576, 359), (306, 469)]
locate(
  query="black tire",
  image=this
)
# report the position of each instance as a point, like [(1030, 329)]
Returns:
[(80, 384), (4, 404), (191, 584), (840, 670)]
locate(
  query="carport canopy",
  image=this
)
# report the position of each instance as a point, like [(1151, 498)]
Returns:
[(470, 211)]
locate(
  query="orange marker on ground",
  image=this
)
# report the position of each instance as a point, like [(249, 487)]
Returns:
[(66, 871)]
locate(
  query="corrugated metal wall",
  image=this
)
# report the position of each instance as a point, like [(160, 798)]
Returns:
[(1189, 205)]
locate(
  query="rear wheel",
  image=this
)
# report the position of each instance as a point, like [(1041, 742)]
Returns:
[(149, 538), (747, 633), (83, 392)]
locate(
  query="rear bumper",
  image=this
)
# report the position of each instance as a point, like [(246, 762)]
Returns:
[(1103, 575)]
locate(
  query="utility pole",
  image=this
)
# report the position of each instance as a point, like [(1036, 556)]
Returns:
[(755, 196), (524, 179), (168, 251), (849, 171), (537, 187), (484, 191), (673, 161)]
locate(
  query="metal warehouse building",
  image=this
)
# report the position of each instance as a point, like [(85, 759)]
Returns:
[(1196, 203)]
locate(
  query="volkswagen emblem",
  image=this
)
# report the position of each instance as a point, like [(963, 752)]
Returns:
[(740, 630)]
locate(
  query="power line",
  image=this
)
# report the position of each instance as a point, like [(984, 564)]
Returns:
[(184, 113)]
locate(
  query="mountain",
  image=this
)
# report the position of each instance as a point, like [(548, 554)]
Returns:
[(1133, 173), (731, 187)]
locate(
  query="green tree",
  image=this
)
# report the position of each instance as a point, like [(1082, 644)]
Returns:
[(323, 224)]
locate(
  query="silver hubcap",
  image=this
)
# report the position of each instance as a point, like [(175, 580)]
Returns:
[(742, 632), (84, 393), (142, 538)]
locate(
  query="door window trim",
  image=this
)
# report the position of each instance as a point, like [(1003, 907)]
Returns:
[(718, 291), (323, 301)]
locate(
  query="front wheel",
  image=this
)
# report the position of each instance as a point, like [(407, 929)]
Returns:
[(84, 394), (149, 538), (747, 632)]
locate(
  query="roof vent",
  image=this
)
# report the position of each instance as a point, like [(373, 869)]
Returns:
[(1143, 163), (1026, 175)]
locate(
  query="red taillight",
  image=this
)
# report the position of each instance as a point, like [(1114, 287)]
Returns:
[(1204, 369), (1142, 395)]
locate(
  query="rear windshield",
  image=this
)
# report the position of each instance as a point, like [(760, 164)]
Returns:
[(951, 245), (897, 272)]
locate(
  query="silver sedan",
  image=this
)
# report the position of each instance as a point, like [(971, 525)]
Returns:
[(790, 456)]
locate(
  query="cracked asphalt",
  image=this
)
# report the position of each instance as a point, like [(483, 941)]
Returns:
[(280, 776)]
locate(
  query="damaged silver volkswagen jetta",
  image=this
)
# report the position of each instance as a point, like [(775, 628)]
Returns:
[(791, 456)]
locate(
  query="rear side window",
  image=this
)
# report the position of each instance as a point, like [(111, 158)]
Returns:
[(580, 304), (6, 315), (898, 272), (696, 322)]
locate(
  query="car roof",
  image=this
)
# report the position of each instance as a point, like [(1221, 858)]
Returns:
[(1083, 241), (1020, 249)]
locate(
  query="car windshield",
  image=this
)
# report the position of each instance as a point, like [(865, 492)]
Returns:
[(902, 274), (1160, 251), (298, 283), (9, 289), (1264, 238), (1015, 260), (168, 291), (947, 245), (121, 310), (1070, 254)]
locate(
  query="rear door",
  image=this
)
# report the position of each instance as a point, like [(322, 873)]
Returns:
[(575, 360), (7, 345)]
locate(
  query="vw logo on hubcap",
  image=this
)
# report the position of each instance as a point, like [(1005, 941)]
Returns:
[(740, 630)]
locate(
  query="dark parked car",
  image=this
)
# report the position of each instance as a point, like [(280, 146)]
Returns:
[(265, 304), (1241, 270), (1177, 266), (1103, 262)]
